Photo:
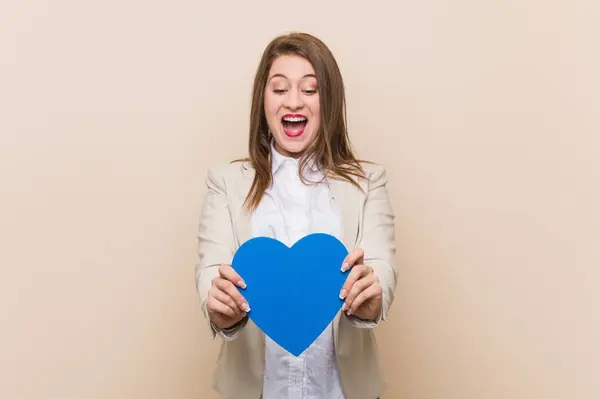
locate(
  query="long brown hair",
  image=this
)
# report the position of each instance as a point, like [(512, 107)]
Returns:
[(330, 149)]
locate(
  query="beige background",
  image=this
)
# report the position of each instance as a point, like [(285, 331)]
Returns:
[(485, 113)]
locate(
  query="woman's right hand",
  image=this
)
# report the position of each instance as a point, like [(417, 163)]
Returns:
[(225, 305)]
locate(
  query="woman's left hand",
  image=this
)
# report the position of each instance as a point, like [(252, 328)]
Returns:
[(361, 291)]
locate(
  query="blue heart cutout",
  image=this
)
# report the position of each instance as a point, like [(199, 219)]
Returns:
[(293, 293)]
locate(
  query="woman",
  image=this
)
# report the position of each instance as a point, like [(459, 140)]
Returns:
[(301, 177)]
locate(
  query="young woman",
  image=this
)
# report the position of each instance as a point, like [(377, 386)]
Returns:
[(301, 177)]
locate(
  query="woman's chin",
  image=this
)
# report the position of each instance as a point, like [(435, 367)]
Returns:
[(291, 148)]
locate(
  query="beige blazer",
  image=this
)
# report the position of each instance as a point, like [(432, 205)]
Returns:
[(367, 223)]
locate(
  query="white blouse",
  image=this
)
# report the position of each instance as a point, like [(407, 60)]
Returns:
[(288, 211)]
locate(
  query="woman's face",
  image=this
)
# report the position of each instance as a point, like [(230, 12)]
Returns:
[(292, 104)]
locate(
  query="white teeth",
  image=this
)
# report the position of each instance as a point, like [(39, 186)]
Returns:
[(294, 119)]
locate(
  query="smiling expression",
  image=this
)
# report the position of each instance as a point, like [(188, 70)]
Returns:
[(292, 106)]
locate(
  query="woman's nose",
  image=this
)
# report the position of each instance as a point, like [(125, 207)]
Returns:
[(293, 100)]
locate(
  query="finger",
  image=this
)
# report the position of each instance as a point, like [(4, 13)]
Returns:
[(228, 288), (356, 256), (228, 273), (355, 274), (214, 306), (227, 300), (359, 287), (372, 291)]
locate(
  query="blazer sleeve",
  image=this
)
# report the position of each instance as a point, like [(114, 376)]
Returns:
[(377, 240), (215, 243)]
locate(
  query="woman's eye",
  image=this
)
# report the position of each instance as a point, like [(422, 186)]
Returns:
[(310, 91), (279, 91)]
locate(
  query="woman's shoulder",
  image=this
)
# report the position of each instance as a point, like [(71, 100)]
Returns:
[(375, 173), (372, 169), (226, 173), (228, 169)]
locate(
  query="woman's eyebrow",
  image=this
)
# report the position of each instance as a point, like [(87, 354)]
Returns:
[(279, 75)]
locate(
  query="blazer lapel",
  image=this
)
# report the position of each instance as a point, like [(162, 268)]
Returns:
[(349, 201), (241, 218)]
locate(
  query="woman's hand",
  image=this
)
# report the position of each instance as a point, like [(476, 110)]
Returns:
[(361, 291), (225, 305)]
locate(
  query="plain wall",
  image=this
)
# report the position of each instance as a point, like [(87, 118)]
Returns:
[(486, 115)]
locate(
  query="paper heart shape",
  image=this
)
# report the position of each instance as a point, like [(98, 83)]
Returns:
[(293, 293)]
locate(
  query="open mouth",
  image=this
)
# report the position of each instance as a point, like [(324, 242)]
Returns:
[(294, 124)]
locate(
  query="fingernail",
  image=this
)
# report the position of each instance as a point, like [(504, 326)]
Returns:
[(343, 294), (349, 312), (245, 307), (344, 307), (242, 284), (344, 266)]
